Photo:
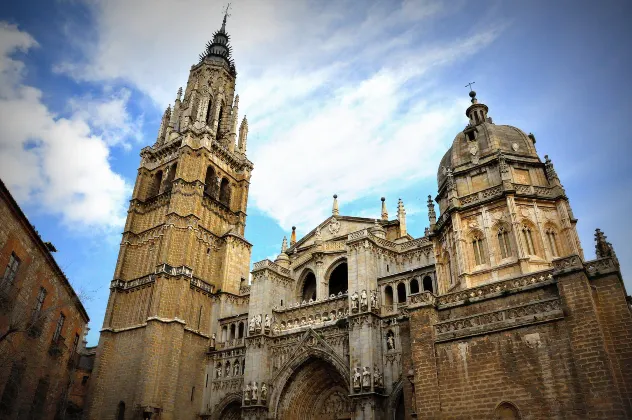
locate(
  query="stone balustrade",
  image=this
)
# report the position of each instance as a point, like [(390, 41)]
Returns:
[(260, 265), (201, 284), (601, 266), (316, 313), (496, 288), (125, 285), (237, 342)]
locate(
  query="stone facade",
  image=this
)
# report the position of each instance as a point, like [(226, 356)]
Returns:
[(493, 313), (42, 321)]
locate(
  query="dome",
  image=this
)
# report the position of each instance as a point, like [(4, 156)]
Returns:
[(483, 140)]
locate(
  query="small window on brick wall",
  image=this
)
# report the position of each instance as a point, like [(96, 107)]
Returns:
[(11, 270)]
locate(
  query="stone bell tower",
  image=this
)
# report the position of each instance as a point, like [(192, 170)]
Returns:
[(183, 241)]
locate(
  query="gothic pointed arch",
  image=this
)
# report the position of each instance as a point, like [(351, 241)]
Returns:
[(395, 402), (300, 383), (506, 411), (228, 408), (307, 286), (224, 192), (337, 277)]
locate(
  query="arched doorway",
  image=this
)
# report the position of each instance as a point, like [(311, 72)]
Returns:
[(315, 390), (339, 279), (231, 412)]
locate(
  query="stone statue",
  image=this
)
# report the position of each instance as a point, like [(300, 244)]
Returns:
[(218, 371), (267, 322), (213, 337), (255, 392), (236, 368), (247, 393), (390, 341), (264, 391), (251, 326), (318, 234), (378, 378), (366, 378), (354, 301), (227, 371), (363, 299), (357, 377), (258, 322), (373, 298)]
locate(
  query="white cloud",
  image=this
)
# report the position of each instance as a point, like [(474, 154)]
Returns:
[(56, 164), (109, 117), (333, 92)]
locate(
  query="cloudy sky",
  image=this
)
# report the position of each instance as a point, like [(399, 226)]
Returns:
[(358, 98)]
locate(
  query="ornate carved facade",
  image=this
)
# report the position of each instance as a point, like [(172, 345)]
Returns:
[(493, 313)]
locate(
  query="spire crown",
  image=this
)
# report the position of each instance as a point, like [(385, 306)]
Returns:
[(334, 210), (384, 210), (477, 113), (293, 236)]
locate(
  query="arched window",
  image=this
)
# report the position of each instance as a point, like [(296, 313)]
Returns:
[(309, 287), (195, 104), (243, 366), (414, 286), (209, 111), (506, 411), (170, 176), (120, 411), (478, 247), (401, 293), (551, 236), (503, 242), (428, 284), (155, 184), (232, 332), (224, 333), (339, 279), (210, 182), (240, 333), (224, 192), (388, 296), (528, 240), (220, 117)]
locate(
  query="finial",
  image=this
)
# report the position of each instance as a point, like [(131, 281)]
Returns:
[(284, 244), (179, 96), (532, 137), (432, 216), (334, 210), (293, 236), (236, 101), (384, 211), (603, 248), (401, 216)]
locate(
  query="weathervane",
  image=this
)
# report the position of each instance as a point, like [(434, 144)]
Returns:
[(226, 14), (470, 85)]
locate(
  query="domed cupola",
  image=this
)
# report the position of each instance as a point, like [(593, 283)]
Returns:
[(477, 113), (219, 48)]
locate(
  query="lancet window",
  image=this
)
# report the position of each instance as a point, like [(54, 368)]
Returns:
[(478, 247), (551, 236), (503, 242), (527, 235)]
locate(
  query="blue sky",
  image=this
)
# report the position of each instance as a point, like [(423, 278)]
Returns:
[(356, 98)]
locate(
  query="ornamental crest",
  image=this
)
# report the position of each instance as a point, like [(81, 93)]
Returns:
[(334, 226), (515, 147)]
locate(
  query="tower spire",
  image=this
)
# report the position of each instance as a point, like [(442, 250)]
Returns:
[(334, 210)]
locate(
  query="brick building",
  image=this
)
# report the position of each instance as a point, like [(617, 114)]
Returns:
[(42, 321), (493, 313)]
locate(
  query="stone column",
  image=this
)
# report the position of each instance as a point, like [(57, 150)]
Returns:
[(424, 375)]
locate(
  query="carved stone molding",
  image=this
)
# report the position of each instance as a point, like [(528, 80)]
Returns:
[(530, 313)]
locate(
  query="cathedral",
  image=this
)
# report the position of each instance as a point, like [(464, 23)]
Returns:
[(493, 314)]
